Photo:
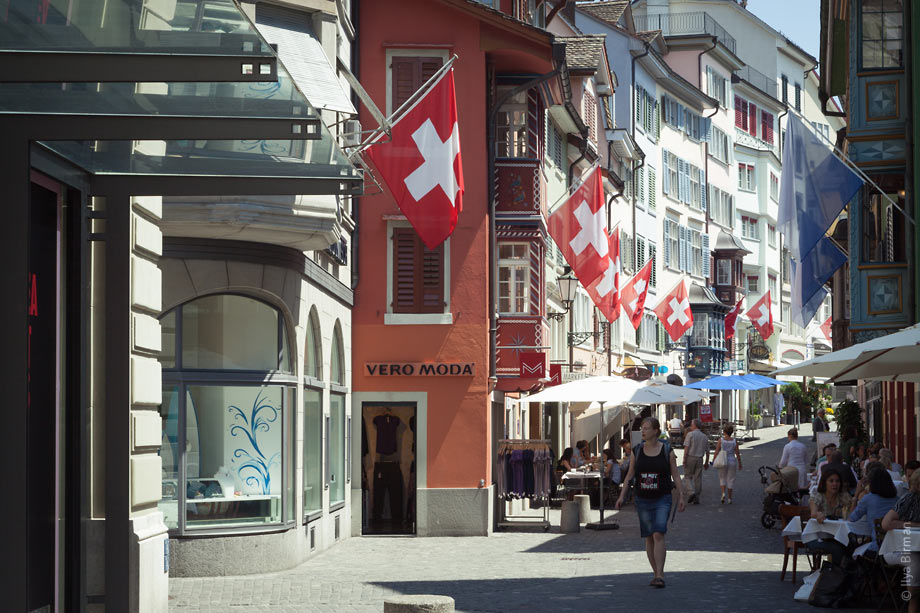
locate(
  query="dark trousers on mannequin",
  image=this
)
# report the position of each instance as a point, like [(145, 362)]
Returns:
[(388, 480)]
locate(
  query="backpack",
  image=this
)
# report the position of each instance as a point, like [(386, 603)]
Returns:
[(835, 587)]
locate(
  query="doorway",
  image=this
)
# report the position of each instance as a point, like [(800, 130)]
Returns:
[(388, 468)]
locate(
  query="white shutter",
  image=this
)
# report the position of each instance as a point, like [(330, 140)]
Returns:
[(703, 187), (666, 178), (682, 248), (667, 242), (706, 270), (651, 189)]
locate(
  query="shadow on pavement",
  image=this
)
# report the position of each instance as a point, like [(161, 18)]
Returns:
[(685, 591)]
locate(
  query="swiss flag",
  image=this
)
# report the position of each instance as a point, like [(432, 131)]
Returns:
[(731, 319), (605, 291), (634, 293), (674, 311), (826, 328), (579, 228), (421, 164), (761, 315)]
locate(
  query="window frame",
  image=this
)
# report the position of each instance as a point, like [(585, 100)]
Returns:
[(720, 279), (746, 179), (442, 54), (516, 266), (752, 288), (749, 229)]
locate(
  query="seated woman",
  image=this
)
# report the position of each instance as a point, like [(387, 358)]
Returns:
[(565, 462), (829, 502), (906, 514), (612, 474), (875, 505)]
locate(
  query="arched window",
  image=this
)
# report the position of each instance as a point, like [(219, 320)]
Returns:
[(313, 353), (313, 420), (228, 386), (336, 467)]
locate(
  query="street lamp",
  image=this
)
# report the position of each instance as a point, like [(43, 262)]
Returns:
[(568, 287)]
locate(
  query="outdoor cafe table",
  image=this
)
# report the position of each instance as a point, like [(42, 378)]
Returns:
[(900, 541), (837, 529), (582, 481)]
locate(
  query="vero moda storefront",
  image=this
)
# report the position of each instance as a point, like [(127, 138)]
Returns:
[(178, 371)]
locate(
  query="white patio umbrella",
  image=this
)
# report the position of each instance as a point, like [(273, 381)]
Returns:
[(894, 357), (606, 391)]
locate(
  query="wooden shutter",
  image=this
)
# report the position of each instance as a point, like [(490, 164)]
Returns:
[(651, 189), (667, 242), (752, 119), (785, 86), (409, 74), (418, 276), (740, 113), (640, 96), (653, 280), (682, 248), (666, 176), (766, 126)]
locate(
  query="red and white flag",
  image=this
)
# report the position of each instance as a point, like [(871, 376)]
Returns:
[(761, 316), (826, 328), (674, 311), (421, 164), (605, 291), (634, 293), (579, 228), (731, 319)]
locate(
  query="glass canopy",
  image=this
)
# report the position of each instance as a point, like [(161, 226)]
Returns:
[(202, 27)]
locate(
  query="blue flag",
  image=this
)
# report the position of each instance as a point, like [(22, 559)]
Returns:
[(809, 277), (815, 185)]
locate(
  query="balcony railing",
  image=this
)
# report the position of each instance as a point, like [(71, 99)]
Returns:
[(758, 80), (675, 24)]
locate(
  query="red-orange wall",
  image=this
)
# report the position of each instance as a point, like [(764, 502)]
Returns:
[(458, 407)]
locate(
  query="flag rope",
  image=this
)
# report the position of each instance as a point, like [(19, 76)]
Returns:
[(406, 106), (852, 165)]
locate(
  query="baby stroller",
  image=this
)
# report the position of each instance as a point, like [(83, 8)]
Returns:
[(780, 487)]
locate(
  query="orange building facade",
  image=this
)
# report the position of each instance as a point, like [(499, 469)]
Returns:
[(424, 374)]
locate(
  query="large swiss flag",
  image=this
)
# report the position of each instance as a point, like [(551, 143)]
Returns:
[(579, 227), (605, 291), (634, 293), (761, 316), (674, 311), (421, 164)]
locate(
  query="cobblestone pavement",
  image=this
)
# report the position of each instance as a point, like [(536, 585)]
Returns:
[(719, 558)]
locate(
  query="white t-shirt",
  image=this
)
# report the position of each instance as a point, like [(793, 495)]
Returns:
[(676, 424)]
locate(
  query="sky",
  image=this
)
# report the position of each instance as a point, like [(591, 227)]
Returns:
[(797, 19)]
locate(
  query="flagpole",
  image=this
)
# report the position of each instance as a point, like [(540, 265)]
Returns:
[(405, 106), (852, 165)]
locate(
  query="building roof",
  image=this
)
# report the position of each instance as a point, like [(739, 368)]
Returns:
[(729, 242), (649, 35), (611, 12), (583, 52)]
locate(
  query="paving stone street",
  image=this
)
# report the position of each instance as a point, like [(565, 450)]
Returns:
[(719, 558)]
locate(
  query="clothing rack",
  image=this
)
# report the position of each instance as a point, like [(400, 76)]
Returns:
[(531, 479)]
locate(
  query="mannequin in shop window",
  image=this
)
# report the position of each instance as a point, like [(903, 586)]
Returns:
[(388, 478)]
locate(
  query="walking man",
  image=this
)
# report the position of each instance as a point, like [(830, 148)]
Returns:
[(696, 445)]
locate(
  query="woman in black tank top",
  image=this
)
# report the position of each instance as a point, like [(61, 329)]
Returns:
[(654, 466)]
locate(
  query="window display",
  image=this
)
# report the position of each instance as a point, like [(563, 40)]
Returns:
[(230, 465)]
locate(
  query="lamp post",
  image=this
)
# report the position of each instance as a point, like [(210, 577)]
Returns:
[(568, 287)]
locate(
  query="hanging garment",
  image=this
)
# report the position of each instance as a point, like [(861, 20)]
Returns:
[(388, 481)]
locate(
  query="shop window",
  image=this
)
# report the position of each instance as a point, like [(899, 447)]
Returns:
[(313, 351), (231, 467), (335, 466), (881, 33), (514, 278), (418, 274), (312, 422)]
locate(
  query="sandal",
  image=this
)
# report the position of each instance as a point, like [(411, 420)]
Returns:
[(657, 582)]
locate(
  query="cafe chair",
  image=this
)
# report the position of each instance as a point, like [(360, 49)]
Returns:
[(882, 579), (791, 545)]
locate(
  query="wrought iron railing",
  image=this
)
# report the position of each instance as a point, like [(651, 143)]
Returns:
[(758, 80), (675, 24)]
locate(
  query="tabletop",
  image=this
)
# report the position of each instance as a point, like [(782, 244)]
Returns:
[(897, 541), (836, 529)]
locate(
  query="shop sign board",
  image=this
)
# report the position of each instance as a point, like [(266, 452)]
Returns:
[(420, 369), (706, 413), (759, 352)]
